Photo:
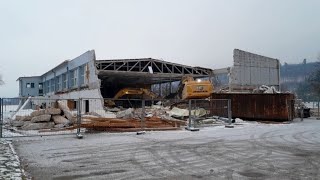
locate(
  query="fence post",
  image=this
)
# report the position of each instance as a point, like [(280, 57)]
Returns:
[(190, 127), (189, 124), (229, 111), (229, 125), (142, 122), (318, 108), (143, 115), (288, 103), (301, 112), (1, 117), (79, 107)]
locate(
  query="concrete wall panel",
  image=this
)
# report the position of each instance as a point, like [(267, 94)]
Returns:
[(254, 70)]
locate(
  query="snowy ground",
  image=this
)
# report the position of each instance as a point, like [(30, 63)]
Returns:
[(248, 151), (9, 163), (311, 105)]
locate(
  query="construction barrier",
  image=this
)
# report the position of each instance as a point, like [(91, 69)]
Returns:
[(47, 116)]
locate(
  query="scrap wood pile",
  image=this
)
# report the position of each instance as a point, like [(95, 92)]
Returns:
[(132, 119), (131, 124)]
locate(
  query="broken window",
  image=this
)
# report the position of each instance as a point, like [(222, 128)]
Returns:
[(64, 81), (58, 83), (81, 72), (74, 78), (40, 86), (47, 86), (52, 85)]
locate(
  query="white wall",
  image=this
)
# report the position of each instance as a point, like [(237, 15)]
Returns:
[(254, 70)]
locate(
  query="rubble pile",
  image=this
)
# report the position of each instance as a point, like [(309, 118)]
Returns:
[(41, 119), (155, 117), (112, 119), (132, 119), (266, 90)]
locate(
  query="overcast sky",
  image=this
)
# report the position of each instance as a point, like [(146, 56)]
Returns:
[(35, 36)]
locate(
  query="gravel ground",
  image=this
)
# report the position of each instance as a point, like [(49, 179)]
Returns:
[(248, 151)]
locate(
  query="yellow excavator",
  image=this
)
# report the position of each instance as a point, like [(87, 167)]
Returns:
[(188, 89), (194, 89), (135, 91)]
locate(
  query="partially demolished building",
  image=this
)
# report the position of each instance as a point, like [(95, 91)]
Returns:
[(86, 77), (94, 81)]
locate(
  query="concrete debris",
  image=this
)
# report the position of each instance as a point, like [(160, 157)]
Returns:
[(180, 113), (238, 120), (38, 112), (53, 111), (266, 90), (105, 114), (199, 112), (37, 126), (93, 114), (66, 111), (22, 112), (177, 112), (57, 119), (23, 118), (17, 123), (113, 119), (59, 126), (126, 114), (209, 121), (41, 118), (114, 109)]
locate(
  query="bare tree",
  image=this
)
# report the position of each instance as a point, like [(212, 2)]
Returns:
[(1, 80)]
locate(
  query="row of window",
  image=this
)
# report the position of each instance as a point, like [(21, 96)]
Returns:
[(74, 79), (31, 85)]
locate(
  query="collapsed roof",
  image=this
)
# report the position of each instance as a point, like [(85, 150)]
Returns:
[(146, 71)]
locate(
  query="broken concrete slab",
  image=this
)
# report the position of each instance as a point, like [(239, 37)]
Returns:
[(59, 126), (115, 109), (38, 113), (53, 111), (17, 123), (177, 112), (128, 113), (104, 114), (36, 126), (41, 118), (66, 110), (57, 119), (199, 112), (23, 118)]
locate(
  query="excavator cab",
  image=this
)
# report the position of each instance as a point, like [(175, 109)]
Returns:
[(195, 89)]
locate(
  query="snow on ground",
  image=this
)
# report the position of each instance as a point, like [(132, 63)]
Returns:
[(311, 105), (9, 162), (9, 111), (250, 150)]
